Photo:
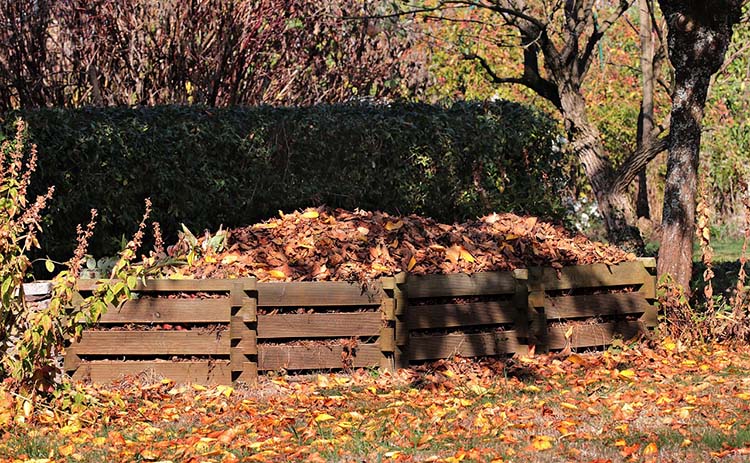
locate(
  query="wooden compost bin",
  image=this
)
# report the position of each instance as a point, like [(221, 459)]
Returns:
[(211, 340), (235, 328)]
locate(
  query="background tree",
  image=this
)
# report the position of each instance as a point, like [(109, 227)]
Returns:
[(699, 36), (559, 41)]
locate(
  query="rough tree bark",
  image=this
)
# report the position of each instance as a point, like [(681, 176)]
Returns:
[(646, 114), (699, 33)]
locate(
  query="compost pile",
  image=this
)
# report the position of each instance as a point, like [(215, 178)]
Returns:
[(324, 244)]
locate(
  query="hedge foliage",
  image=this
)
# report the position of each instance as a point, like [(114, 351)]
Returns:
[(206, 167)]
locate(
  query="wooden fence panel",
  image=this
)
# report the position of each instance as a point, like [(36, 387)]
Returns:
[(466, 345), (318, 293), (593, 305), (316, 357), (423, 317), (123, 343), (180, 311), (204, 372), (595, 334), (319, 325), (461, 284)]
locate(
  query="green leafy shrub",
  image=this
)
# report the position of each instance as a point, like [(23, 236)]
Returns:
[(32, 336), (206, 167)]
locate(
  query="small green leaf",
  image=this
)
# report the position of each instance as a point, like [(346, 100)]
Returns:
[(49, 265), (90, 263)]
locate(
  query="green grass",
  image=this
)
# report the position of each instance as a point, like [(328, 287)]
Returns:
[(725, 250)]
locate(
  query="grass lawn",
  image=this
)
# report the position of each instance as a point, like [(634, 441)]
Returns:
[(725, 250), (662, 403)]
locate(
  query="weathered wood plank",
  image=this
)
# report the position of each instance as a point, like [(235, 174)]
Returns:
[(319, 325), (461, 284), (152, 310), (318, 293), (203, 372), (167, 285), (595, 275), (457, 315), (595, 304), (152, 343), (465, 345), (315, 357), (592, 335)]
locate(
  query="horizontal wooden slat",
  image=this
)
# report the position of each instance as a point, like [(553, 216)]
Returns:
[(595, 275), (203, 372), (167, 285), (314, 357), (595, 304), (591, 335), (152, 310), (319, 325), (457, 315), (152, 343), (460, 284), (318, 293), (465, 345)]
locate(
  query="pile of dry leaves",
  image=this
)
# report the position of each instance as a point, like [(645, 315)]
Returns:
[(324, 244)]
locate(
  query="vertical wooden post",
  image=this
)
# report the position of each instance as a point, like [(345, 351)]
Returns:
[(387, 340), (651, 317), (71, 361), (521, 304), (243, 331), (394, 336), (401, 354), (537, 315)]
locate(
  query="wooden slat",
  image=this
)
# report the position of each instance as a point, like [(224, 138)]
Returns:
[(318, 293), (591, 335), (315, 357), (465, 345), (203, 372), (319, 325), (461, 284), (596, 304), (457, 315), (167, 285), (152, 310), (595, 275), (152, 343)]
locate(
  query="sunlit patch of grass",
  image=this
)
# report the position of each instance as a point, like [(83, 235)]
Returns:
[(31, 445), (716, 439)]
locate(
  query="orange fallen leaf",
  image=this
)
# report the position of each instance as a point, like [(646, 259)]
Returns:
[(651, 449), (390, 226)]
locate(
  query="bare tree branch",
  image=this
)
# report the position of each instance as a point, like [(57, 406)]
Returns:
[(638, 159), (584, 62), (530, 79)]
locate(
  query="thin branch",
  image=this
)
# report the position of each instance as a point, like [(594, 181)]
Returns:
[(530, 79), (585, 61), (496, 79), (728, 61)]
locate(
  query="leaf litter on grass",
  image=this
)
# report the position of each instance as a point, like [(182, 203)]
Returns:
[(642, 403)]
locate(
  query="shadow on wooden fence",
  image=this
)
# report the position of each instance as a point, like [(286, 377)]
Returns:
[(224, 331)]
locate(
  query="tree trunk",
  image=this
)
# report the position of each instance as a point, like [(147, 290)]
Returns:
[(646, 114), (699, 34), (614, 206)]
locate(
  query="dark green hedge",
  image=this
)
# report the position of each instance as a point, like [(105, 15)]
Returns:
[(207, 167)]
